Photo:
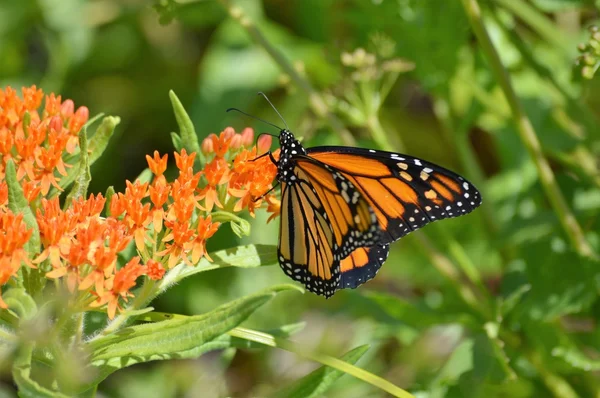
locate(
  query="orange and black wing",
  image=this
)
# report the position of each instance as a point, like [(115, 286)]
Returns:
[(405, 192), (362, 265), (324, 219)]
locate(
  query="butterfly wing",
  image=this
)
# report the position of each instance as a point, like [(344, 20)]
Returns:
[(405, 192), (353, 221), (324, 219), (362, 265), (305, 248)]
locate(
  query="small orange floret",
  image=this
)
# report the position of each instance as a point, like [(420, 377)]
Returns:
[(155, 270), (119, 286), (14, 235), (205, 230), (157, 164)]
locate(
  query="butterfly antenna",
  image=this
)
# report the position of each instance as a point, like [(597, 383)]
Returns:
[(275, 109), (254, 117)]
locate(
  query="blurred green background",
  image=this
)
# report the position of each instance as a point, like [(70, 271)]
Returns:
[(401, 75)]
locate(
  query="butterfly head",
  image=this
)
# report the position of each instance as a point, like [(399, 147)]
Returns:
[(290, 148)]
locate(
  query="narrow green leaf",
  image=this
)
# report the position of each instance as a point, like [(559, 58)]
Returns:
[(182, 337), (83, 177), (21, 371), (99, 141), (177, 142), (96, 146), (18, 204), (282, 332), (33, 279), (316, 383), (110, 191), (145, 176), (187, 132), (242, 256), (574, 357), (20, 302), (514, 297)]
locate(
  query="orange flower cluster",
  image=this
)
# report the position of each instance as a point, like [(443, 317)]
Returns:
[(243, 174), (36, 142), (169, 222)]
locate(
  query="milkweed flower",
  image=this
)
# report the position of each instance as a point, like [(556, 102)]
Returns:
[(167, 222)]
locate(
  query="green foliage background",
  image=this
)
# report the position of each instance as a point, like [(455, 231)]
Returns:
[(501, 302)]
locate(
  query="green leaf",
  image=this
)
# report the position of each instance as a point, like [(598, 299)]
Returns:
[(490, 363), (248, 256), (316, 383), (18, 204), (489, 370), (508, 303), (33, 279), (21, 372), (460, 362), (282, 332), (187, 132), (110, 191), (177, 142), (241, 228), (99, 141), (556, 290), (96, 146), (182, 337), (145, 176), (20, 302), (83, 177), (574, 357)]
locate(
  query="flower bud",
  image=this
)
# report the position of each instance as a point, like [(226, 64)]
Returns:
[(263, 144), (56, 124), (207, 145), (67, 109), (247, 136), (228, 133), (236, 141)]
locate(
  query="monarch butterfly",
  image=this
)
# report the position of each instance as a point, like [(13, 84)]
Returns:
[(341, 207)]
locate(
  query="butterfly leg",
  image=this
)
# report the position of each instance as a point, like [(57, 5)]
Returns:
[(266, 154), (266, 193)]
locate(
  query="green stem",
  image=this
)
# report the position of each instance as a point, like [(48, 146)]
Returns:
[(527, 133), (316, 101), (378, 134), (538, 22), (269, 340), (79, 324)]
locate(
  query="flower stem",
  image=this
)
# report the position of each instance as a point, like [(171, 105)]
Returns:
[(527, 133), (316, 101)]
